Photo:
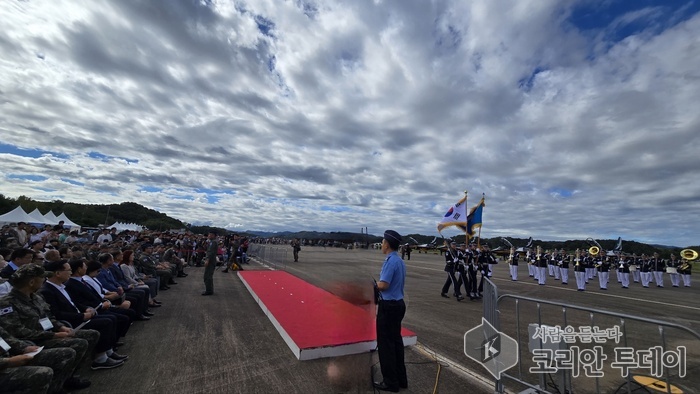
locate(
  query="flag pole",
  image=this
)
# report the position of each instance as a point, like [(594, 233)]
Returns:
[(466, 229), (478, 242)]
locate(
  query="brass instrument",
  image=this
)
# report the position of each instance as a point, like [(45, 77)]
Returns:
[(593, 250), (578, 257), (689, 254)]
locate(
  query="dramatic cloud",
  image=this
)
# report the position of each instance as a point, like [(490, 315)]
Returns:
[(576, 119)]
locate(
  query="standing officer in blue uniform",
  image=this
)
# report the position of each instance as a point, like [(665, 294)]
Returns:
[(390, 313)]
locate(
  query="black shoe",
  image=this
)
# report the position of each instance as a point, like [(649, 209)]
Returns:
[(154, 305), (107, 364), (143, 318), (164, 288), (157, 302), (118, 357), (226, 270), (383, 386), (76, 383), (172, 282), (460, 298), (444, 295), (181, 275), (119, 343), (208, 293), (149, 313)]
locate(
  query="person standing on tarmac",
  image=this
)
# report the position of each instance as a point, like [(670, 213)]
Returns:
[(451, 263), (390, 312), (210, 264)]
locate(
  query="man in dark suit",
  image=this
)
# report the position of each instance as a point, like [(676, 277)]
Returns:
[(82, 293), (137, 297), (63, 308), (18, 258)]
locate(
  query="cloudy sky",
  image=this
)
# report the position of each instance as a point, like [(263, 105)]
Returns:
[(575, 118)]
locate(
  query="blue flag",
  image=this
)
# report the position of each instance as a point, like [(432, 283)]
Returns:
[(474, 217)]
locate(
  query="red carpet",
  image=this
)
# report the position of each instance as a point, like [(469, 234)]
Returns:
[(313, 322)]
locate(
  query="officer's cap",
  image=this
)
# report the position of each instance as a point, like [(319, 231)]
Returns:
[(29, 271)]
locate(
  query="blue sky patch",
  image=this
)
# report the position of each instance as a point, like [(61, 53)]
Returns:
[(34, 153), (151, 189), (560, 192), (27, 177), (72, 182), (619, 19)]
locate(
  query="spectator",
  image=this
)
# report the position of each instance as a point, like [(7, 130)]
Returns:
[(18, 258), (63, 308)]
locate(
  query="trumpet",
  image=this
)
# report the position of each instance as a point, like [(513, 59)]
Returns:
[(578, 257)]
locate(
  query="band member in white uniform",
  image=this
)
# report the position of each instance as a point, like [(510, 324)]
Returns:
[(580, 271), (645, 274), (542, 267), (659, 266), (685, 270), (603, 266), (513, 261), (531, 268), (623, 270), (552, 265), (564, 267), (637, 267), (675, 276)]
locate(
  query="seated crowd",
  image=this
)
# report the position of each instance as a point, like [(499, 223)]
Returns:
[(76, 302)]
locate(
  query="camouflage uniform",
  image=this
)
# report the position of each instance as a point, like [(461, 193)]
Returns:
[(32, 377), (20, 316)]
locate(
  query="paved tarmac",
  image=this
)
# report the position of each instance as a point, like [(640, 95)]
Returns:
[(226, 344)]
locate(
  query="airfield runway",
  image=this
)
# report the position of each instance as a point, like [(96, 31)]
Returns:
[(226, 344)]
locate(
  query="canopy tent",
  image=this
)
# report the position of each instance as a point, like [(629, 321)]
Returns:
[(37, 217), (51, 218), (126, 226), (67, 222), (16, 215)]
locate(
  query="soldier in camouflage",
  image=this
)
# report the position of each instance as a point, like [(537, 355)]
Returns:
[(25, 315), (46, 371)]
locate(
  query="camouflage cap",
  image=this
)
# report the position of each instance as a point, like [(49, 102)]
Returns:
[(29, 271)]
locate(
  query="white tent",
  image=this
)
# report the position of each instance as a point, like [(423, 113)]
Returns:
[(37, 217), (15, 215), (50, 218), (67, 222), (126, 227)]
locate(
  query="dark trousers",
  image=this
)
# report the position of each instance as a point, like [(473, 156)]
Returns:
[(471, 271), (107, 330), (209, 277), (463, 278), (121, 322), (450, 281), (390, 343)]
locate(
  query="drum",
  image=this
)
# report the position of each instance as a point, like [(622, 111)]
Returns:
[(633, 268), (671, 270)]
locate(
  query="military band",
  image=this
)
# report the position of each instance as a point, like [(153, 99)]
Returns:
[(464, 264)]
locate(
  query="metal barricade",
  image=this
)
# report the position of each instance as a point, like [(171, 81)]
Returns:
[(275, 257), (559, 318)]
